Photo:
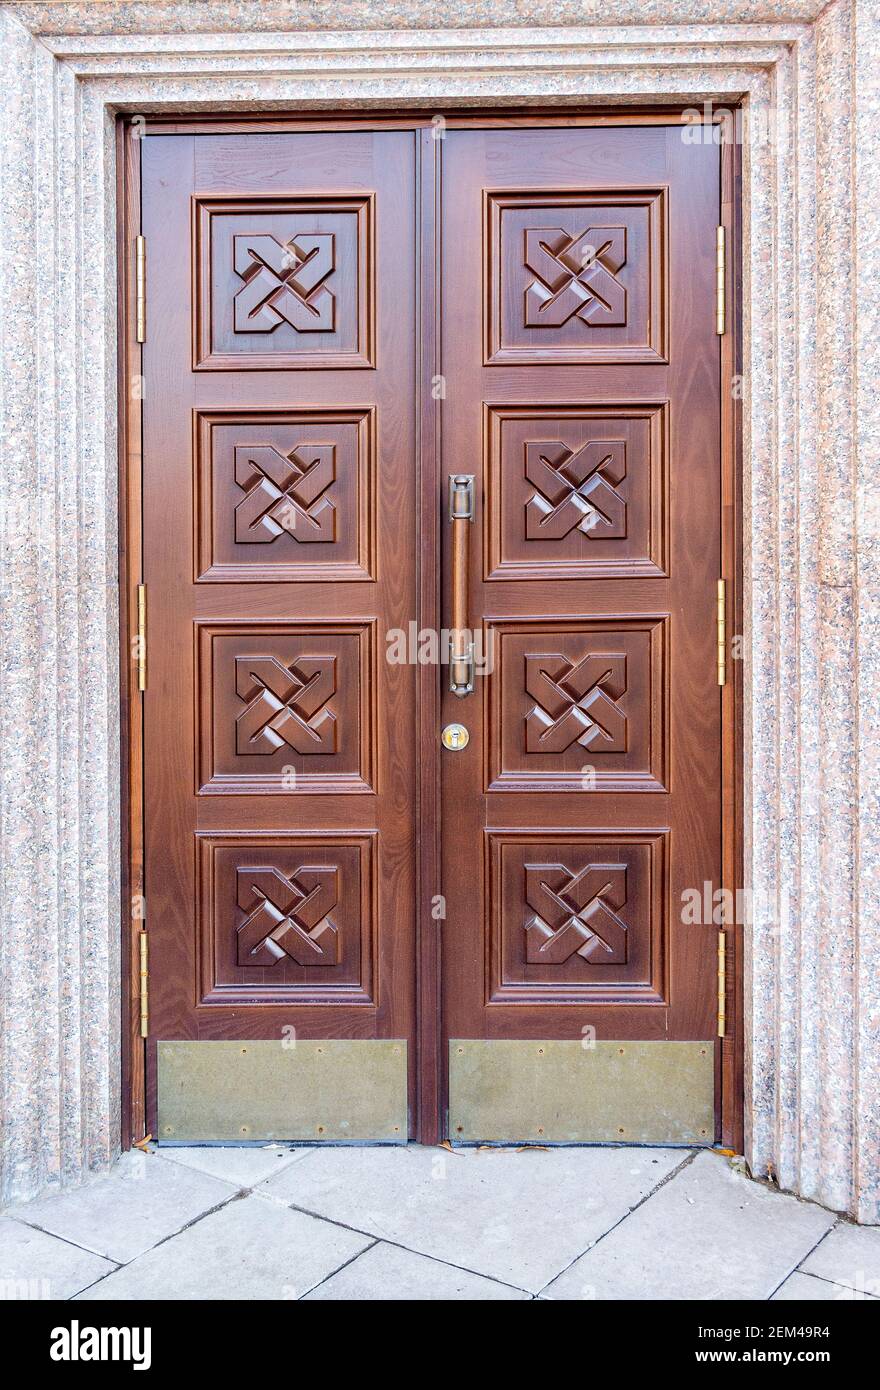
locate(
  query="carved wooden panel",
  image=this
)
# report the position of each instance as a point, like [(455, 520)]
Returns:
[(285, 495), (283, 282), (578, 705), (286, 707), (286, 918), (576, 277), (575, 492), (576, 915)]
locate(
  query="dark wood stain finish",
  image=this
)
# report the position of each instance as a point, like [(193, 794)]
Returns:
[(582, 389), (279, 439), (131, 702), (311, 281)]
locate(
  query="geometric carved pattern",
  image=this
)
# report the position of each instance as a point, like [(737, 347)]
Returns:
[(285, 704), (270, 905), (285, 493), (576, 916), (573, 913), (284, 283), (575, 277), (578, 704), (290, 916), (574, 490), (286, 707), (575, 702)]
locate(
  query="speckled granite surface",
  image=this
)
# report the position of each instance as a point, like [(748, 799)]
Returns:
[(216, 16), (812, 428), (866, 510)]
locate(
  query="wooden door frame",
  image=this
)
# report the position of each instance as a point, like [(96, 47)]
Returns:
[(430, 1105), (129, 369)]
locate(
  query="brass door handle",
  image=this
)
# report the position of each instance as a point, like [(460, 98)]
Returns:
[(461, 513)]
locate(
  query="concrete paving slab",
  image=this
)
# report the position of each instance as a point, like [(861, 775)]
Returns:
[(250, 1248), (120, 1216), (520, 1217), (387, 1273), (709, 1233), (807, 1288), (848, 1255), (34, 1265), (244, 1167)]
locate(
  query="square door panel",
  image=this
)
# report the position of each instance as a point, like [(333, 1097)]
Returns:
[(575, 492), (284, 496), (577, 916), (286, 918), (576, 277), (283, 282), (578, 704), (286, 707)]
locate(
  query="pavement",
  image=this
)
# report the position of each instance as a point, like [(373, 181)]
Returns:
[(414, 1223)]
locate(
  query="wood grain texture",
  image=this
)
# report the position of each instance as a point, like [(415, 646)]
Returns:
[(598, 729), (130, 569), (662, 514), (280, 547), (430, 1070), (730, 1092)]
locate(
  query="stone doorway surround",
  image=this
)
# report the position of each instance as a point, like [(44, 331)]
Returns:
[(809, 75)]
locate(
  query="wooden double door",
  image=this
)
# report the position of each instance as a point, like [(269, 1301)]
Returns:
[(358, 931)]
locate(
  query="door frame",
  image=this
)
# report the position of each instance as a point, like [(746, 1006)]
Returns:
[(430, 1101)]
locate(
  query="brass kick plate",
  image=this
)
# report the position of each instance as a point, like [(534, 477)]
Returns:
[(342, 1089), (560, 1092)]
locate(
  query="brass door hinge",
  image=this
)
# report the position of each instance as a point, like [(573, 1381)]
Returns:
[(720, 279), (722, 983), (145, 970), (141, 281), (721, 631), (142, 636)]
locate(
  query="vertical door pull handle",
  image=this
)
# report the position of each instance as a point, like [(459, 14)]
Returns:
[(461, 513)]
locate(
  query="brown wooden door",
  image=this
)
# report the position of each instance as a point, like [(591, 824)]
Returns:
[(582, 392), (279, 760), (292, 283)]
